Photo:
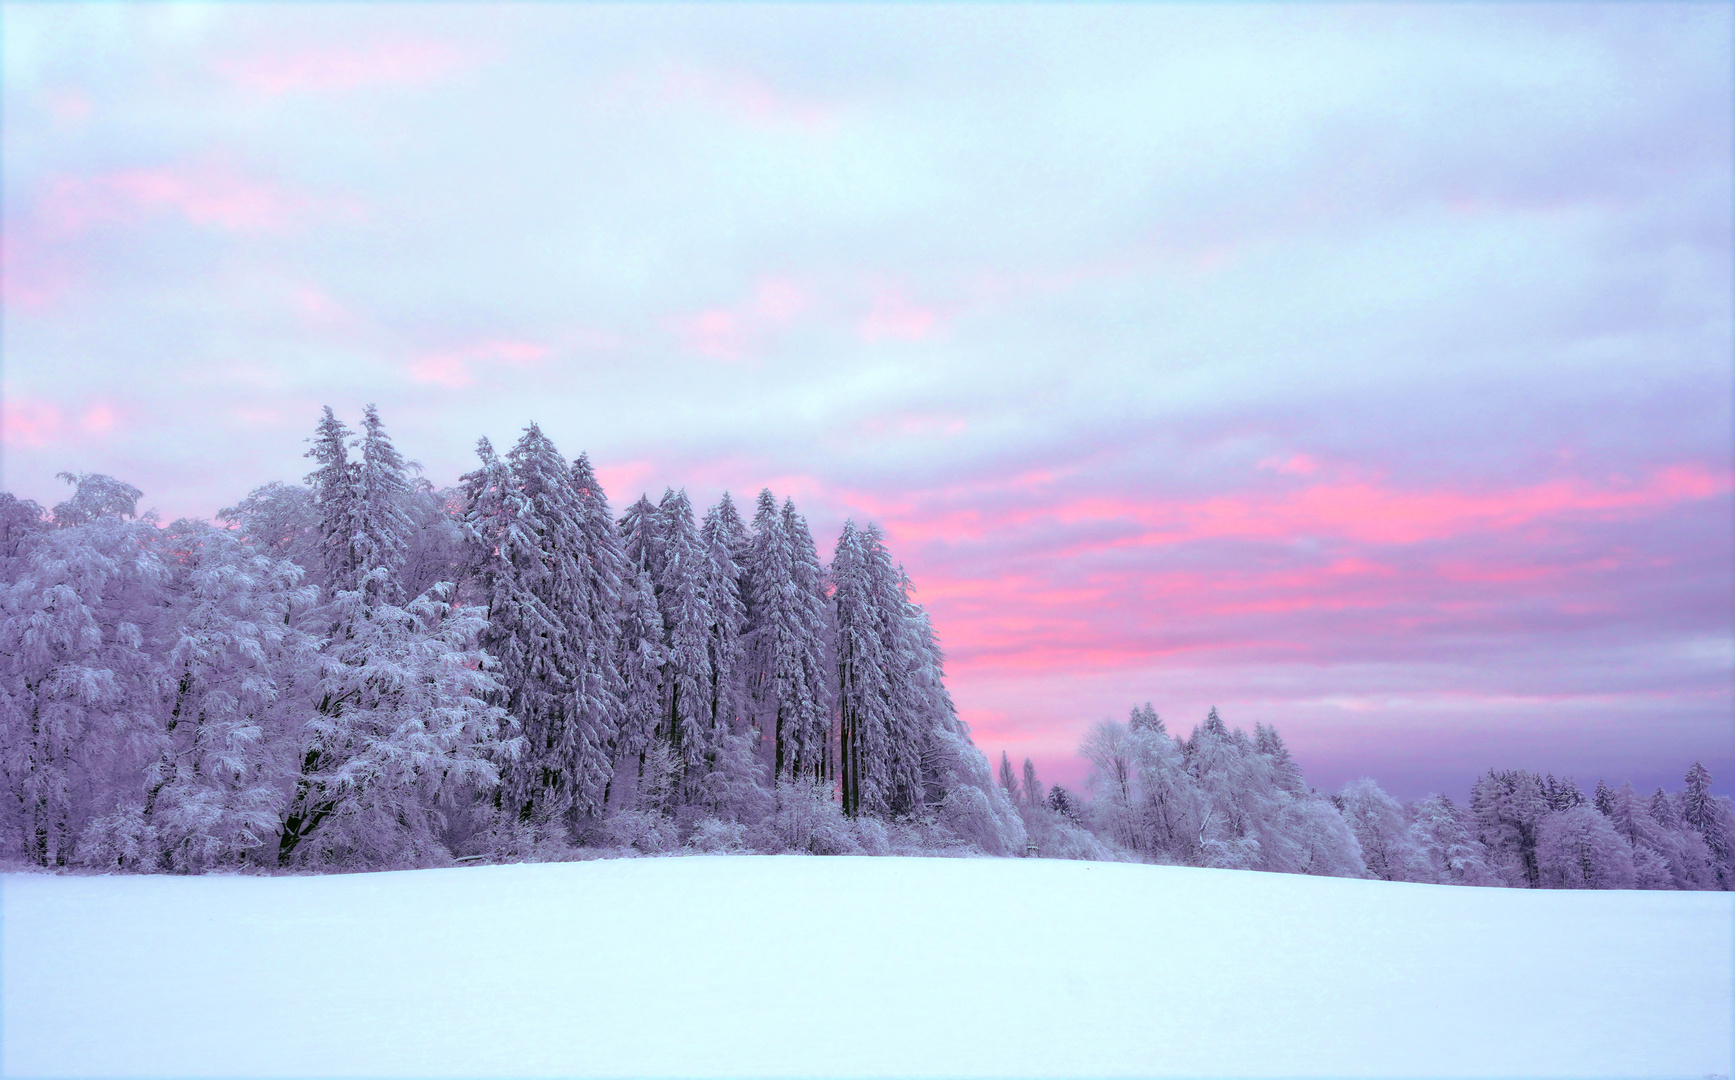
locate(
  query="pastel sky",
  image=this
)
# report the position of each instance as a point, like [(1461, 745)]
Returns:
[(1362, 369)]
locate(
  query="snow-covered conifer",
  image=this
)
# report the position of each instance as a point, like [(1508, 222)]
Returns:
[(787, 681), (687, 625), (1030, 793), (724, 540), (641, 663), (1283, 766)]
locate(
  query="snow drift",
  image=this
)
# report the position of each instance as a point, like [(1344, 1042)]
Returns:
[(731, 966)]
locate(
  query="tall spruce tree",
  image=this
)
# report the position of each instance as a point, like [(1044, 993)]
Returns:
[(786, 679), (724, 540), (687, 624)]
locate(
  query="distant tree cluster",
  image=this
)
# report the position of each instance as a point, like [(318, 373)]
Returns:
[(362, 671), (1221, 798)]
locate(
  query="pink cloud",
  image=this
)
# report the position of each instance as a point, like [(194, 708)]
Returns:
[(457, 368), (914, 425), (209, 193), (98, 419), (894, 317), (31, 423), (738, 332), (344, 68), (742, 96), (68, 107)]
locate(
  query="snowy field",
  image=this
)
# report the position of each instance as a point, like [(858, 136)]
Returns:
[(738, 966)]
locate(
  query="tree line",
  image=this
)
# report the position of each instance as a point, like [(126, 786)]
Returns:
[(1223, 798), (363, 671)]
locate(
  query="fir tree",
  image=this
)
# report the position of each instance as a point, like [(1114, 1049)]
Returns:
[(687, 624), (723, 538)]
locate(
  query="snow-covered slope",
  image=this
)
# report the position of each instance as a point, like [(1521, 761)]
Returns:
[(866, 967)]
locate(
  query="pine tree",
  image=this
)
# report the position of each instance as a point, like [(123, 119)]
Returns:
[(1032, 790), (723, 538), (382, 527), (593, 619), (864, 676), (687, 625), (333, 485), (1008, 781), (1288, 774), (1145, 719), (787, 682), (641, 662), (1601, 800), (393, 715)]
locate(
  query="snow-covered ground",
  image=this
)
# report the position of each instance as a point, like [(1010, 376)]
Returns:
[(855, 966)]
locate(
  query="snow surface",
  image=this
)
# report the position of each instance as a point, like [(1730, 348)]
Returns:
[(855, 966)]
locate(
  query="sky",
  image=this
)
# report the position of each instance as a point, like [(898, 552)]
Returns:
[(1363, 370)]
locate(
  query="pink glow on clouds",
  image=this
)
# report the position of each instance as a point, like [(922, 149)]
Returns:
[(68, 107), (894, 317), (456, 369), (209, 193), (338, 69), (99, 419), (1359, 510), (31, 423), (740, 95), (738, 332)]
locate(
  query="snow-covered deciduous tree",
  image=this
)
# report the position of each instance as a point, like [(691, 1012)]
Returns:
[(281, 520), (1323, 841), (1577, 848), (1380, 829), (1440, 836), (402, 731), (1168, 805), (1507, 808), (81, 682), (226, 747)]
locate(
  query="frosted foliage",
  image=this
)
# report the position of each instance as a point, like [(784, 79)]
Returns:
[(81, 684), (1507, 808), (403, 729), (95, 497), (687, 686), (788, 681), (216, 787), (1441, 837), (723, 539), (1577, 848), (280, 520), (1380, 829)]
